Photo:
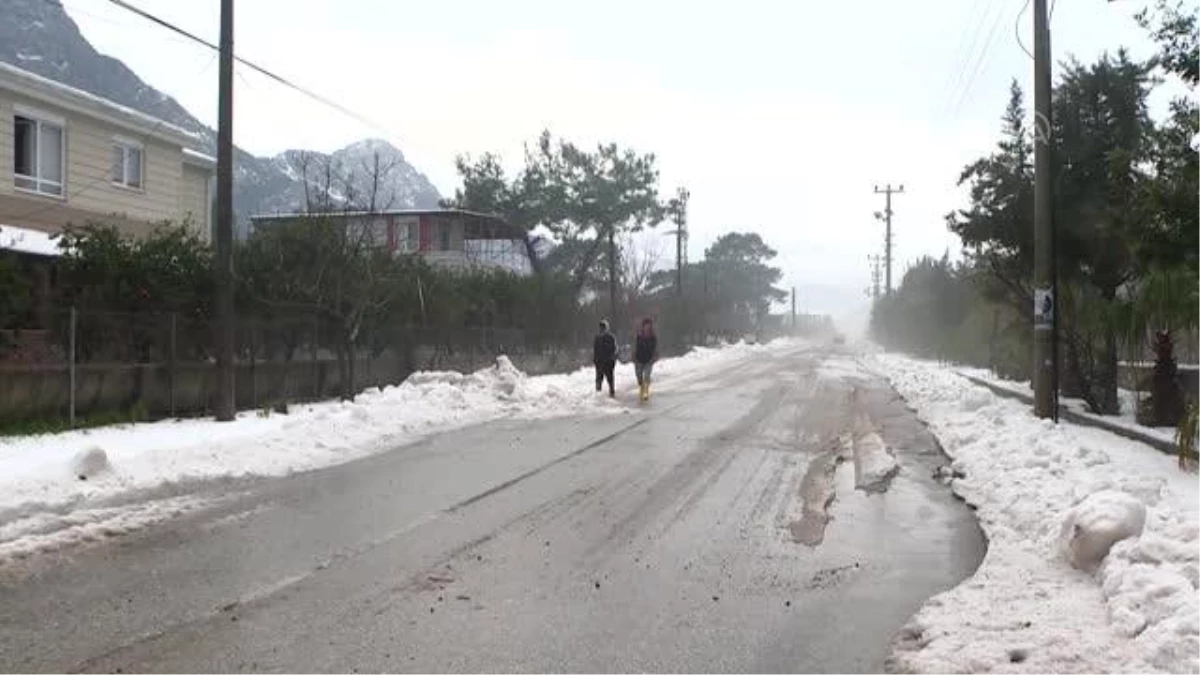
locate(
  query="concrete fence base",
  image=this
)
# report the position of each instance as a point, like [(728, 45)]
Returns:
[(159, 390)]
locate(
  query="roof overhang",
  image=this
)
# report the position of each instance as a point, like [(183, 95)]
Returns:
[(56, 94), (199, 159)]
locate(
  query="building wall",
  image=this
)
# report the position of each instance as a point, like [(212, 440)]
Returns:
[(89, 193), (431, 234), (195, 200), (422, 235)]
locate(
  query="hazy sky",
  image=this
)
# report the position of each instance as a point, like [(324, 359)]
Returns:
[(778, 116)]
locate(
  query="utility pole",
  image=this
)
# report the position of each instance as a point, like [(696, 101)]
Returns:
[(612, 277), (876, 274), (226, 406), (1045, 357), (793, 310), (681, 236), (886, 216)]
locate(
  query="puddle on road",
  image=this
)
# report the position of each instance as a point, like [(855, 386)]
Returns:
[(817, 491), (858, 442)]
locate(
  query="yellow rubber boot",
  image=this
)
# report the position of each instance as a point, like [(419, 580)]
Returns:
[(642, 393)]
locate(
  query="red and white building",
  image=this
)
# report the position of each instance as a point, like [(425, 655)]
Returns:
[(448, 237)]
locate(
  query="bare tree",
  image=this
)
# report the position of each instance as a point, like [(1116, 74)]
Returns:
[(332, 261), (639, 259)]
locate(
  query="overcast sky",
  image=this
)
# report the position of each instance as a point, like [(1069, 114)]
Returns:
[(780, 117)]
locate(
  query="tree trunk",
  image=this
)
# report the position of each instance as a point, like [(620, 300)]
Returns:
[(612, 274), (343, 365), (535, 263), (1106, 376), (351, 388), (1070, 382)]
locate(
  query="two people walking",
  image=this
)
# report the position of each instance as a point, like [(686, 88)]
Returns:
[(645, 353)]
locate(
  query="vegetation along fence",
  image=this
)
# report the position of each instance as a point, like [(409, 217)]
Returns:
[(88, 367)]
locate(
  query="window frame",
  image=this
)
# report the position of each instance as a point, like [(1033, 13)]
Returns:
[(40, 119), (445, 237), (406, 237), (125, 145)]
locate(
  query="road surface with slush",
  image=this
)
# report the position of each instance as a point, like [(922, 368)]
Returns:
[(723, 526)]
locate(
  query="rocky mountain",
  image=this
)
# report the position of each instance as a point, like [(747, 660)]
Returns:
[(39, 36)]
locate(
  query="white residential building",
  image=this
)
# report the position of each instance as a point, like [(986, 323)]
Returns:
[(76, 158)]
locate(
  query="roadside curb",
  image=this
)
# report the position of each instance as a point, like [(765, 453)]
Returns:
[(1167, 447)]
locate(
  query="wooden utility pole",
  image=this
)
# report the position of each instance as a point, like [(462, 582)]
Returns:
[(886, 216), (681, 236), (612, 276), (225, 405), (793, 310), (1045, 366)]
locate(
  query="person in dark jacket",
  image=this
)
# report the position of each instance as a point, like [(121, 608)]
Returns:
[(645, 353), (604, 357)]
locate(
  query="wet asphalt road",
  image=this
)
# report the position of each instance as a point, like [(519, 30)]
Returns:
[(671, 538)]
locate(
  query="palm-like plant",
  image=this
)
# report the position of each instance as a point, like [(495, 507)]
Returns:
[(1164, 304), (1186, 436)]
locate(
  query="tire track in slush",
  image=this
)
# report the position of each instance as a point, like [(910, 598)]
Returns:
[(817, 491), (856, 440)]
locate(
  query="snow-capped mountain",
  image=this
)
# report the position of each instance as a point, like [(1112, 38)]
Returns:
[(368, 173), (39, 36)]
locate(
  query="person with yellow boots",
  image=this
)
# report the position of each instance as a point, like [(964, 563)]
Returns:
[(645, 353)]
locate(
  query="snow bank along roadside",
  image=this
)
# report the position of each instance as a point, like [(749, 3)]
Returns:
[(54, 480), (1032, 482), (1128, 401)]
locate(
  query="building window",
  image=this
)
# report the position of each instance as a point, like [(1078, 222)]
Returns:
[(444, 237), (406, 237), (37, 155), (127, 164)]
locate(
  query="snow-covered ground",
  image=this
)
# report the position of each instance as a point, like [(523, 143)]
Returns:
[(1128, 402), (1044, 492), (57, 488)]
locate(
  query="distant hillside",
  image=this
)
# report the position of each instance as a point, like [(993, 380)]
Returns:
[(39, 36)]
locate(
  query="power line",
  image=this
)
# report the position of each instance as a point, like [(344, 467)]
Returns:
[(958, 48), (963, 57), (257, 68), (980, 61), (1017, 30)]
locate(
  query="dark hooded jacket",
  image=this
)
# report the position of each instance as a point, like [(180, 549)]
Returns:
[(604, 348)]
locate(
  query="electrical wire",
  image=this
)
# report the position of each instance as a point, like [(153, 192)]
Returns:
[(958, 49), (1017, 30), (980, 61), (89, 185), (60, 202), (254, 66), (963, 57)]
